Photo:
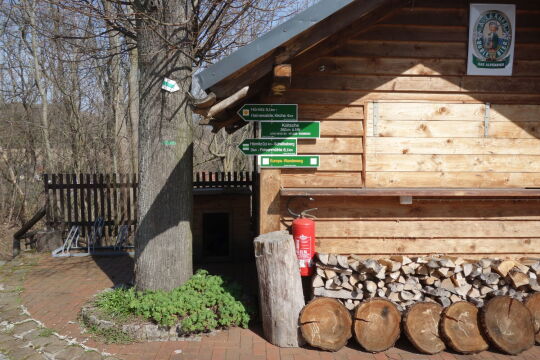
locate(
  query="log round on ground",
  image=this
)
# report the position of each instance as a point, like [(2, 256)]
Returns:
[(459, 328), (377, 324), (421, 325), (508, 324), (533, 304), (326, 324)]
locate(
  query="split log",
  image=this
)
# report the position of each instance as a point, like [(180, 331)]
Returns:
[(280, 288), (533, 304), (377, 324), (459, 328), (421, 325), (508, 325), (326, 324)]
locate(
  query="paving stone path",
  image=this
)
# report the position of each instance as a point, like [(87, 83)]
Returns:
[(40, 298), (25, 338)]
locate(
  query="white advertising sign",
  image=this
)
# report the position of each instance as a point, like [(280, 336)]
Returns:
[(492, 32)]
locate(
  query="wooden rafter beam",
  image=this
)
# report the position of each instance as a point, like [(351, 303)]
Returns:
[(282, 79)]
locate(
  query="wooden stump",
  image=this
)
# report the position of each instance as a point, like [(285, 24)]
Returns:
[(377, 324), (326, 324), (459, 328), (421, 325), (533, 304), (508, 324), (280, 288)]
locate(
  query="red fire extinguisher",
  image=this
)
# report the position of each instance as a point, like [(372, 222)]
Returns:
[(303, 231)]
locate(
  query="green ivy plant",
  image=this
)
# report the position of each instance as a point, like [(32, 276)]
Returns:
[(203, 303)]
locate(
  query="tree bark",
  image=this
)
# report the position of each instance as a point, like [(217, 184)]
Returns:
[(280, 288), (163, 243)]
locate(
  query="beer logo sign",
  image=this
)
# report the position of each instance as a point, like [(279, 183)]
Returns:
[(492, 40)]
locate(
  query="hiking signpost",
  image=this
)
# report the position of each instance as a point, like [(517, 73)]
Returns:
[(291, 129), (279, 131), (268, 146), (269, 112)]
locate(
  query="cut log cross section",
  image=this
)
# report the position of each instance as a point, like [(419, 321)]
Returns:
[(459, 328), (377, 325), (533, 304), (421, 325), (326, 324), (508, 325)]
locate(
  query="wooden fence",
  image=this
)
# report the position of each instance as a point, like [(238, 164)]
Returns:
[(78, 199)]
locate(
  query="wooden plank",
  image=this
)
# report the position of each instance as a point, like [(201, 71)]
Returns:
[(390, 66), (346, 97), (416, 49), (128, 199), (444, 163), (282, 79), (437, 192), (452, 179), (68, 198), (428, 229), (431, 129), (515, 130), (329, 112), (90, 189), (340, 163), (417, 83), (82, 203), (75, 199), (341, 208), (109, 216), (514, 113), (269, 200), (303, 178), (62, 198), (54, 198), (429, 246), (342, 128), (135, 189), (116, 210), (448, 146), (332, 145), (435, 111)]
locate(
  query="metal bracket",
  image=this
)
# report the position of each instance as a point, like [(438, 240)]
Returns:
[(375, 118), (486, 120)]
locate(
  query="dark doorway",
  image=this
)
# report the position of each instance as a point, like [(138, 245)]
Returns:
[(216, 235)]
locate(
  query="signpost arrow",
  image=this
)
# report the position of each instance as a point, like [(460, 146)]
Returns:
[(291, 129), (303, 161), (269, 112), (268, 146)]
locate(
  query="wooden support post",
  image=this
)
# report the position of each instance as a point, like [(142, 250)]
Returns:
[(269, 200), (282, 79), (280, 288)]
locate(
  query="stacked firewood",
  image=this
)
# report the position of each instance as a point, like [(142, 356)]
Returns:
[(406, 281)]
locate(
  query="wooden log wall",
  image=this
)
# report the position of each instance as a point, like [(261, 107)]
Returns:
[(430, 133)]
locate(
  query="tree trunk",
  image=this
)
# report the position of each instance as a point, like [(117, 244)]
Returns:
[(533, 304), (377, 324), (508, 325), (459, 328), (325, 323), (421, 325), (163, 243), (280, 288)]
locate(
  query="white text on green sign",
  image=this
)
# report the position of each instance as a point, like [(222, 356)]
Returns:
[(291, 129), (269, 112), (302, 161), (268, 146)]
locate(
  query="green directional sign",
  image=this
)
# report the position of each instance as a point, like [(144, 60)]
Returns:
[(268, 146), (291, 129), (269, 112), (303, 161)]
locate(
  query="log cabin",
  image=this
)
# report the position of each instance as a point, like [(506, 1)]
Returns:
[(416, 156)]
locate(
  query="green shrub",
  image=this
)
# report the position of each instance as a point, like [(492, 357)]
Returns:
[(203, 303)]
